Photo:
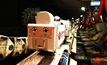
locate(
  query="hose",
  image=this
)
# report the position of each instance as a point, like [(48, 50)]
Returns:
[(99, 13), (82, 21), (105, 3), (86, 20)]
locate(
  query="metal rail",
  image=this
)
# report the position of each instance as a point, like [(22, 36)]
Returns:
[(45, 58)]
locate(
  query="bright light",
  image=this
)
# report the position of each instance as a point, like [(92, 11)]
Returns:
[(83, 8), (81, 15), (72, 17)]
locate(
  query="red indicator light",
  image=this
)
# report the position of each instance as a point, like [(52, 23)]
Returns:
[(34, 34), (45, 35)]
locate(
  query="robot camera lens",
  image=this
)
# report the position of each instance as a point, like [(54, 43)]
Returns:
[(45, 30), (34, 29)]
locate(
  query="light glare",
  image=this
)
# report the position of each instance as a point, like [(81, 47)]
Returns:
[(83, 8)]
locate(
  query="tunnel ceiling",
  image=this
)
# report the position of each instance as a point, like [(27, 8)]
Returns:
[(64, 8)]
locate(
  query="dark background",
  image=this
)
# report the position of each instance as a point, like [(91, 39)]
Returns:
[(11, 10)]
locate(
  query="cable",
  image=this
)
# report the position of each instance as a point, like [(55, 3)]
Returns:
[(64, 59)]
